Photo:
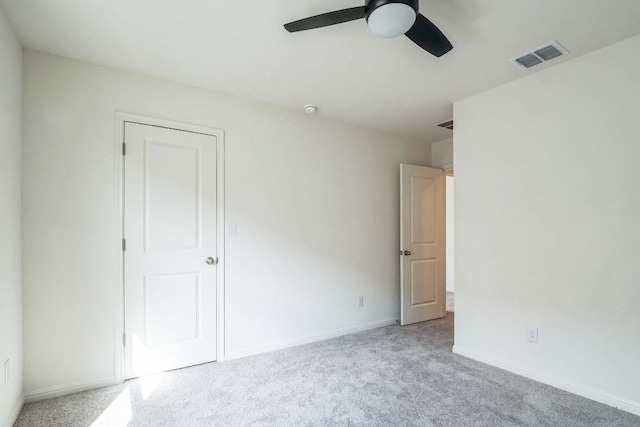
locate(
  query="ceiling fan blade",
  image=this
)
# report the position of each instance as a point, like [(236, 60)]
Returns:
[(330, 18), (426, 35)]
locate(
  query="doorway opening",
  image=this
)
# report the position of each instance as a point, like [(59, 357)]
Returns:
[(449, 207)]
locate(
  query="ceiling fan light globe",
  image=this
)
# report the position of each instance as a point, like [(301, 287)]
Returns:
[(391, 19)]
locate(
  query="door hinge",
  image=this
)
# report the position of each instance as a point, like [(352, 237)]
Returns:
[(124, 245), (124, 149), (124, 340)]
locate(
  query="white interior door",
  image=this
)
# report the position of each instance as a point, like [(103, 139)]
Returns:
[(422, 243), (170, 253)]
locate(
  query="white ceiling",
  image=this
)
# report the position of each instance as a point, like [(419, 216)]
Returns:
[(391, 85)]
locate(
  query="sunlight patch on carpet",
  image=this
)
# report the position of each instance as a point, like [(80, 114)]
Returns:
[(118, 413)]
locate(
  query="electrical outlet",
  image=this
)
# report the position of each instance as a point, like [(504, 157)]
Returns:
[(361, 301), (532, 334), (7, 370), (232, 229)]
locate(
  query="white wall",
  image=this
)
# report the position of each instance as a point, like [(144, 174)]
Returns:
[(10, 227), (315, 202), (442, 154), (548, 225)]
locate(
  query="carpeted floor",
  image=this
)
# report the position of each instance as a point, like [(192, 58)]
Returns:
[(392, 376)]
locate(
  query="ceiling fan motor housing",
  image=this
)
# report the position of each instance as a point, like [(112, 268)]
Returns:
[(372, 5), (385, 18), (390, 18)]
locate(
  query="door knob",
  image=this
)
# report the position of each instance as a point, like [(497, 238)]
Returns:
[(407, 253), (211, 261)]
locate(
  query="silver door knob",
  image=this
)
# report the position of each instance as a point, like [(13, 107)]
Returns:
[(407, 253), (211, 261)]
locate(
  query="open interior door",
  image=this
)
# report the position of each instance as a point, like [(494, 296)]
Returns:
[(422, 244)]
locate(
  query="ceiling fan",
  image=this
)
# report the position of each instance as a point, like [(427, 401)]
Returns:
[(385, 18)]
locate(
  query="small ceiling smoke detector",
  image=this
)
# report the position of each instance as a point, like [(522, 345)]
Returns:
[(447, 125), (541, 54), (310, 109)]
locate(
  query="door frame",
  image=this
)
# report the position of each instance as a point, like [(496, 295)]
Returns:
[(121, 119), (447, 172)]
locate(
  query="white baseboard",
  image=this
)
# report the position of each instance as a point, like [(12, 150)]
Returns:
[(13, 417), (63, 390), (598, 396), (306, 340)]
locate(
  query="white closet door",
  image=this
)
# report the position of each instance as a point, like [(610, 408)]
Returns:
[(170, 257)]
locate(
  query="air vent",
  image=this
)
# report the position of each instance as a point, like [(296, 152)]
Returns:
[(548, 52), (529, 60), (540, 55), (447, 125)]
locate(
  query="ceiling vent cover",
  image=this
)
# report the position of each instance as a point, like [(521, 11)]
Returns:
[(447, 125), (529, 60), (541, 54)]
